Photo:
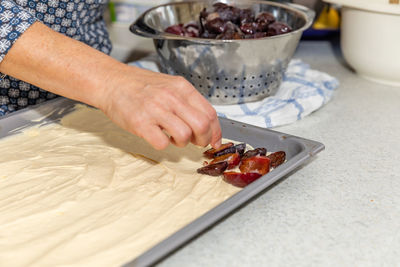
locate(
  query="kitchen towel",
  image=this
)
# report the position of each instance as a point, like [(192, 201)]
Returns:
[(302, 92)]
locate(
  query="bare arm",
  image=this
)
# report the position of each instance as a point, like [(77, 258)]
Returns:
[(145, 103)]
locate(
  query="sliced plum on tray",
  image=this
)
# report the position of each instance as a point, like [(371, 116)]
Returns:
[(232, 159), (257, 164), (238, 166), (255, 152), (277, 158), (240, 148), (211, 153), (240, 179), (227, 148), (216, 169)]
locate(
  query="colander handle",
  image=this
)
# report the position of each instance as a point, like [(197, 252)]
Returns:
[(140, 28)]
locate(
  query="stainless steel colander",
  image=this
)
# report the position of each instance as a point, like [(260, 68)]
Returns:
[(225, 71)]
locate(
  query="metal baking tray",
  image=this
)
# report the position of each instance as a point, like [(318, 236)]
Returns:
[(298, 151)]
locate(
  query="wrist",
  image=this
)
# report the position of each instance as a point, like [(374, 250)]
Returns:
[(111, 86)]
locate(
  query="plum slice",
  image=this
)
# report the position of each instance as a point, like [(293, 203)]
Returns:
[(233, 149), (233, 160), (257, 164), (241, 179), (227, 148), (277, 158), (214, 169), (211, 153), (255, 152)]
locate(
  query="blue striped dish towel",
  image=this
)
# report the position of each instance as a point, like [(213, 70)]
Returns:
[(302, 92)]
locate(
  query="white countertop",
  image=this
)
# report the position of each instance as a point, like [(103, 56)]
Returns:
[(343, 207)]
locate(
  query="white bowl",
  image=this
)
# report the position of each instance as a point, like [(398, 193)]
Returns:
[(370, 38)]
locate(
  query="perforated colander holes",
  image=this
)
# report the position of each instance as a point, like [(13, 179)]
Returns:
[(228, 87), (193, 76), (218, 79), (190, 76)]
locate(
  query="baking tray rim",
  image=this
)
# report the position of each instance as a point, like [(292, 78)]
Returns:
[(55, 109), (189, 232)]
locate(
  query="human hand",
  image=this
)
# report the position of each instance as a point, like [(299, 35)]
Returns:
[(157, 107), (160, 108)]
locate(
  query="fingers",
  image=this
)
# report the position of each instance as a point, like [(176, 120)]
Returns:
[(200, 103), (216, 138), (158, 116), (164, 109), (215, 127), (197, 121), (199, 114), (154, 136), (179, 131)]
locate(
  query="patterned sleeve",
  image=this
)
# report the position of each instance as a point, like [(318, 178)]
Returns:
[(14, 20)]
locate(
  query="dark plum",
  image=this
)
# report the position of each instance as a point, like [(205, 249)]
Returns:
[(240, 148), (246, 16), (214, 169), (232, 159), (261, 26), (231, 32), (240, 179), (227, 22), (189, 30), (176, 29), (213, 152), (248, 28), (216, 25), (277, 28), (227, 13), (192, 30), (232, 27), (265, 17), (254, 27), (232, 149), (255, 152), (277, 158), (258, 164), (232, 15)]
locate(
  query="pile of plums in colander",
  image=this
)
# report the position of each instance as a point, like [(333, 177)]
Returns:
[(227, 22)]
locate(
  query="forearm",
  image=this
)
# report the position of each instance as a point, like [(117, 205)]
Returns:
[(61, 65), (143, 102)]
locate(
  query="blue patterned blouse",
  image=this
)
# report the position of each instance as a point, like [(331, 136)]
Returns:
[(78, 19)]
